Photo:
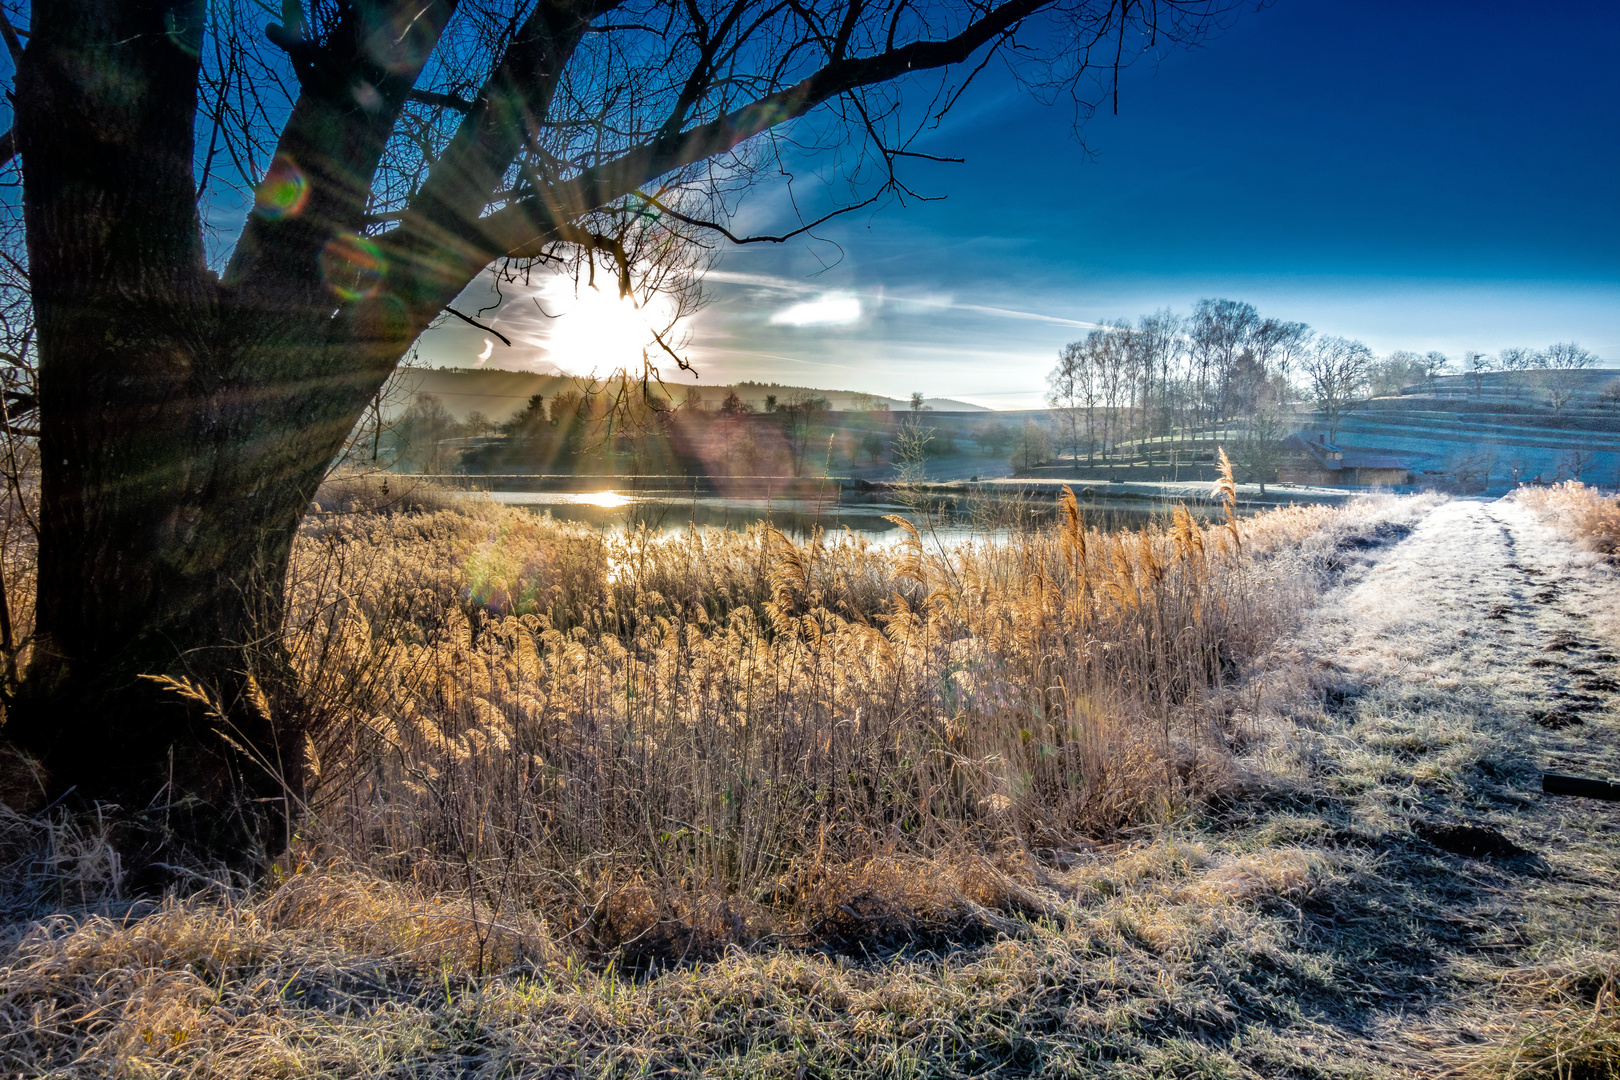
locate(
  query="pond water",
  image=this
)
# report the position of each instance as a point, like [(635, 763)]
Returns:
[(798, 517)]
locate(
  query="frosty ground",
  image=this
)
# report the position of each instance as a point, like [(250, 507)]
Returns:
[(1382, 891)]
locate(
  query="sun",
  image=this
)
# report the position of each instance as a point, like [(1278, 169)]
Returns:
[(597, 331)]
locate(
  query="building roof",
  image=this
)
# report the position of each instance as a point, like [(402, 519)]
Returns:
[(1324, 453), (1334, 458), (1355, 459)]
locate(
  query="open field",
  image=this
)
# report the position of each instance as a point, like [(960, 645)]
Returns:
[(728, 806)]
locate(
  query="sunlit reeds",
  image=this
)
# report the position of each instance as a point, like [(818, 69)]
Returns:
[(657, 738), (1592, 516)]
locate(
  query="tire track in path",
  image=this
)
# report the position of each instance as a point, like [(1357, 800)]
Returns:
[(1472, 656)]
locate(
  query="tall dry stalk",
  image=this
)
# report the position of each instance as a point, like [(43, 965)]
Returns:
[(643, 734)]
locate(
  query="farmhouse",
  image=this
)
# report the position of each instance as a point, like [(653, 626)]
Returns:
[(1308, 458)]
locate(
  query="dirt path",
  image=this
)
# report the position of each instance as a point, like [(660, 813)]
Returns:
[(1457, 665)]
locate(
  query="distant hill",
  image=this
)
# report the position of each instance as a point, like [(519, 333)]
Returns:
[(841, 400), (1504, 422), (498, 393), (494, 392)]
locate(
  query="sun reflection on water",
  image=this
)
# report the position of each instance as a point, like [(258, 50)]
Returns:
[(609, 499)]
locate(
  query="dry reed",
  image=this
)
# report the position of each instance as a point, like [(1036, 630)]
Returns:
[(1591, 516), (551, 755), (670, 742)]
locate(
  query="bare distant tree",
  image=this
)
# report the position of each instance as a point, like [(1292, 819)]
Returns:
[(1072, 393), (1471, 472), (1338, 369), (1277, 346), (1220, 331), (1161, 342), (1397, 371), (1259, 451), (1610, 394), (798, 415), (1575, 464), (1475, 365), (1030, 447), (1564, 363), (1435, 364), (1513, 362)]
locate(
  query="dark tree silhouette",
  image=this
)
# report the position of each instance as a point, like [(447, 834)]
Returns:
[(192, 396)]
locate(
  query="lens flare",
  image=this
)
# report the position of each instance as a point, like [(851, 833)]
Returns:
[(352, 266), (401, 44), (283, 191)]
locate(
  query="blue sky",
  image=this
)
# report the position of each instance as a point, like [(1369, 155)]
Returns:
[(1418, 175)]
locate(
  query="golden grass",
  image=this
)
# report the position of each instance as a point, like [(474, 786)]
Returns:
[(334, 974), (553, 758), (663, 742), (1593, 517), (1565, 1024)]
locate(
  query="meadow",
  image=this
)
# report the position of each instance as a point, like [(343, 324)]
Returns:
[(723, 804)]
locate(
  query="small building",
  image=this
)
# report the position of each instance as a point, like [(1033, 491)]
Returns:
[(1308, 458)]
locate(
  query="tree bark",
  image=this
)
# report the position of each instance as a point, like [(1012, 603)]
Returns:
[(176, 469)]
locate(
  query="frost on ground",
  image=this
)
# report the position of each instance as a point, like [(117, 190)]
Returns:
[(1452, 670), (1387, 895)]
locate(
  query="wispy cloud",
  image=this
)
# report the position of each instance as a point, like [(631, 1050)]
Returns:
[(834, 309), (874, 298)]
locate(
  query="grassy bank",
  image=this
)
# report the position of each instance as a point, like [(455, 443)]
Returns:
[(1055, 802)]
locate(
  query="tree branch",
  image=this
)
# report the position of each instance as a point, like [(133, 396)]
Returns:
[(444, 215), (539, 219), (474, 322), (783, 238), (9, 33), (333, 147), (443, 101)]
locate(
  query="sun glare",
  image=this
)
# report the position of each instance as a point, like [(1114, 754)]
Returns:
[(609, 499), (595, 330)]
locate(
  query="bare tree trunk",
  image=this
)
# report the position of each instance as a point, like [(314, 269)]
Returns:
[(178, 463)]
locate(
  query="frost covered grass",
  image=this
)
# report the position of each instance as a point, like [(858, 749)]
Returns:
[(832, 810), (1593, 517), (672, 744)]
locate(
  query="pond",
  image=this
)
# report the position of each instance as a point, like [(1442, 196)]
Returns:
[(799, 517)]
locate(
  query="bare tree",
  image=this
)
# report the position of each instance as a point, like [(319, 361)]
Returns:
[(1220, 331), (1476, 364), (1259, 450), (798, 415), (1575, 464), (1564, 362), (1472, 471), (1514, 362), (1160, 341), (1277, 346), (1609, 396), (1435, 364), (1338, 369), (194, 389), (1396, 371), (1072, 393)]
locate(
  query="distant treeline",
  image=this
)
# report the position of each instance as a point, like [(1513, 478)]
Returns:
[(624, 426), (1226, 372)]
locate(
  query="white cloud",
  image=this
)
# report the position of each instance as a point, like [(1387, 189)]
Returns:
[(833, 309)]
